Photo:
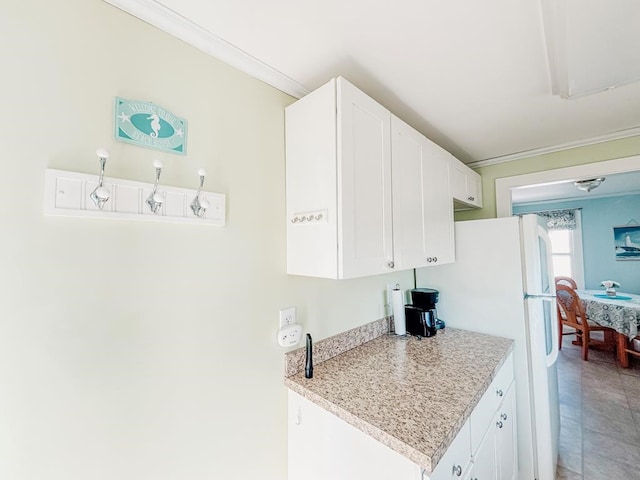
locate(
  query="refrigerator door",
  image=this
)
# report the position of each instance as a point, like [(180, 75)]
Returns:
[(542, 323)]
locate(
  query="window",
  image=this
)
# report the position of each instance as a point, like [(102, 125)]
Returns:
[(566, 251), (561, 252)]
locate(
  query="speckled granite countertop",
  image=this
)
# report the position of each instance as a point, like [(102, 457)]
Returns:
[(411, 395)]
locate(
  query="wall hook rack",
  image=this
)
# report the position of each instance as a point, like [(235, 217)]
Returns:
[(71, 194)]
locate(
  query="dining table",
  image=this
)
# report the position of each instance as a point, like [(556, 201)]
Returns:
[(620, 312)]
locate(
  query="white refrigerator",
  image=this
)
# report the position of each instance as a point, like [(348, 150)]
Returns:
[(502, 283)]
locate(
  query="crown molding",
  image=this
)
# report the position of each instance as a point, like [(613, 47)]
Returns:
[(631, 132), (171, 22), (576, 198)]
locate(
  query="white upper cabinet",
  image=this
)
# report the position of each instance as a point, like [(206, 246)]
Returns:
[(344, 219), (338, 181), (364, 184), (422, 212), (466, 186)]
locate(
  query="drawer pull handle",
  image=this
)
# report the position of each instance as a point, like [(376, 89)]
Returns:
[(499, 393), (391, 264), (503, 416), (499, 424), (457, 470)]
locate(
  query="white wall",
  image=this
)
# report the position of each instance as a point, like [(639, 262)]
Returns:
[(133, 350)]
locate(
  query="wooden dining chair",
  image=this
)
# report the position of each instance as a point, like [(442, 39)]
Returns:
[(627, 349), (567, 281), (561, 280), (573, 315)]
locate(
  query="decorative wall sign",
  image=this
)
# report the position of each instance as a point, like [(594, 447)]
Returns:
[(149, 125), (627, 241)]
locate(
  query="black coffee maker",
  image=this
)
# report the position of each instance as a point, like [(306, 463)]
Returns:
[(422, 315)]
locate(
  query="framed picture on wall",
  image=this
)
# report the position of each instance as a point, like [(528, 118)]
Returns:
[(627, 242)]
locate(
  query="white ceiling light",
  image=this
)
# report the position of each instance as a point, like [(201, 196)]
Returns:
[(592, 45), (589, 184)]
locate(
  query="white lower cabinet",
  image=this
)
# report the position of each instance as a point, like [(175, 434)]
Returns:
[(506, 437), (484, 460), (456, 462), (495, 458), (324, 447), (493, 434)]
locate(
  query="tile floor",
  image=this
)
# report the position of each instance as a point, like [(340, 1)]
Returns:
[(599, 416)]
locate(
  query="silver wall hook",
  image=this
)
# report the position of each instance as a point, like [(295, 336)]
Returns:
[(155, 199), (199, 207), (101, 194)]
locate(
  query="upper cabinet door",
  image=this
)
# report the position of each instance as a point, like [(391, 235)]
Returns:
[(423, 211), (364, 184), (466, 185), (439, 208)]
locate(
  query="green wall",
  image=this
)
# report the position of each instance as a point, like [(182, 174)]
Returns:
[(135, 350), (567, 158)]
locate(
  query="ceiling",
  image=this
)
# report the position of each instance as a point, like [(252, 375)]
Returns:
[(475, 77), (614, 185)]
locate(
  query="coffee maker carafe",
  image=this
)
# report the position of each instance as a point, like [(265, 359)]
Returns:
[(422, 315)]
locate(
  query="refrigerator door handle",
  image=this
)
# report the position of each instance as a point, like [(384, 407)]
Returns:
[(539, 295), (555, 332)]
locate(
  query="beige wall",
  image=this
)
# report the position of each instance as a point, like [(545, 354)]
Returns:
[(567, 158), (132, 350)]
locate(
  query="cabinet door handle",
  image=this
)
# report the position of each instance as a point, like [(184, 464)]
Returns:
[(503, 416), (499, 424), (470, 198), (299, 416), (499, 393), (457, 470), (390, 264), (435, 259)]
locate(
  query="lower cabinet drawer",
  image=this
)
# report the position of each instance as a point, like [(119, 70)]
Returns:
[(482, 415), (456, 462)]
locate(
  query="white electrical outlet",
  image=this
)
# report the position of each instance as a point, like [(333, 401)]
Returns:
[(287, 316)]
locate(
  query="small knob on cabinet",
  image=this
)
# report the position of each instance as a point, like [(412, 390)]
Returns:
[(499, 393), (390, 264), (499, 424), (457, 470), (503, 416)]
